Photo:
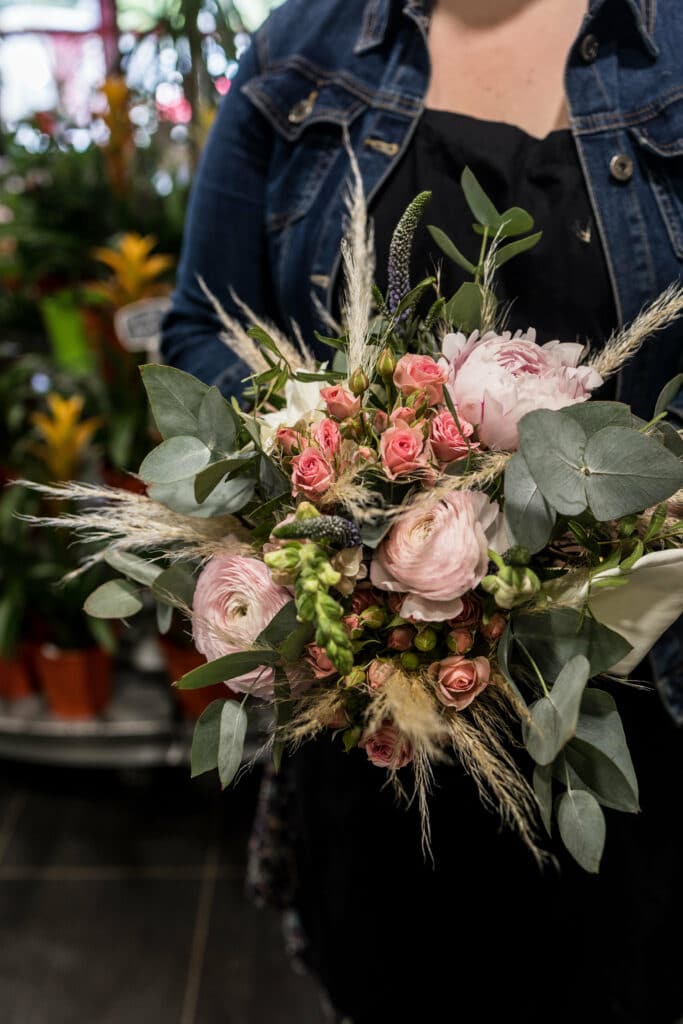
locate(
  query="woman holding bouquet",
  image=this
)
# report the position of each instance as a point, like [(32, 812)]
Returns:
[(573, 111)]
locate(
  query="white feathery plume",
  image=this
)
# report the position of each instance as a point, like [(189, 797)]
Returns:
[(624, 344), (235, 336), (297, 358), (358, 256)]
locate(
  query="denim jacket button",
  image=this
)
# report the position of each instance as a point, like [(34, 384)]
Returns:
[(303, 109), (621, 167), (589, 48)]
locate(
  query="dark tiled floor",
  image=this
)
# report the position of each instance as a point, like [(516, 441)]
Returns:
[(121, 902)]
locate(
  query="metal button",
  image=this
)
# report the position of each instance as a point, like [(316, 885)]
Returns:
[(303, 109), (621, 167), (589, 48)]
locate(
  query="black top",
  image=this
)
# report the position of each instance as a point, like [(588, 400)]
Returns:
[(561, 287), (484, 935)]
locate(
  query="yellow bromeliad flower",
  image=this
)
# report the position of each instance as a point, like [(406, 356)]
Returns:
[(65, 435), (135, 271)]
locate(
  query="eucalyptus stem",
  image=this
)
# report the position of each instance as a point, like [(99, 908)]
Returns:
[(482, 255), (537, 671)]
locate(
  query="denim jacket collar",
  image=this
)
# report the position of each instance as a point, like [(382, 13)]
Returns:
[(376, 19)]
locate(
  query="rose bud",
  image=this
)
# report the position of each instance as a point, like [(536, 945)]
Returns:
[(291, 441), (386, 364), (380, 421), (353, 624), (340, 403), (425, 640), (460, 641), (379, 672), (358, 382), (470, 615), (410, 661), (373, 617), (494, 628), (362, 598), (351, 430), (401, 638), (356, 677)]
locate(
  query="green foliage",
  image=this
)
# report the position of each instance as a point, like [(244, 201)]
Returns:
[(554, 637), (554, 718), (116, 599), (528, 516), (582, 828), (176, 459), (218, 740)]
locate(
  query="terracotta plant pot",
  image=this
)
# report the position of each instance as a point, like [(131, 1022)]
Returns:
[(180, 661), (15, 681), (76, 684)]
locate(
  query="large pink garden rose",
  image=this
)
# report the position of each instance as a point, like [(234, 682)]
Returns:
[(495, 380), (437, 552), (234, 601)]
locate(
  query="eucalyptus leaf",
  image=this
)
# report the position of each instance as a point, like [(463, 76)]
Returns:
[(582, 828), (464, 309), (554, 718), (136, 568), (594, 416), (374, 529), (543, 788), (272, 480), (116, 599), (447, 246), (670, 438), (528, 516), (503, 652), (204, 755), (222, 670), (280, 626), (668, 394), (599, 753), (506, 252), (164, 614), (233, 730), (227, 498), (552, 444), (554, 637), (208, 480), (216, 422), (174, 460), (478, 202), (627, 472), (175, 399), (175, 586)]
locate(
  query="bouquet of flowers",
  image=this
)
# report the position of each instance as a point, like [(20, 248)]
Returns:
[(429, 547)]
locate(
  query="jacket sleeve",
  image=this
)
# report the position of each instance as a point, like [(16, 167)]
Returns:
[(224, 241)]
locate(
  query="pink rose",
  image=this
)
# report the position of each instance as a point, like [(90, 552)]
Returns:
[(448, 444), (495, 380), (362, 598), (494, 628), (363, 454), (437, 552), (353, 624), (327, 437), (401, 638), (317, 658), (460, 680), (234, 600), (404, 414), (402, 450), (387, 747), (311, 474), (289, 439), (380, 421), (340, 403), (420, 373), (379, 672)]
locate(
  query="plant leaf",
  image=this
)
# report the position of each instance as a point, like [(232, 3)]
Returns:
[(216, 423), (552, 444), (528, 516), (554, 718), (599, 754), (554, 637), (175, 586), (208, 480), (628, 472), (233, 730), (204, 755), (228, 497), (582, 828), (668, 393), (478, 202), (543, 788), (447, 246), (464, 309), (174, 397), (116, 599), (507, 252), (594, 416), (230, 666), (164, 617), (136, 568), (174, 460)]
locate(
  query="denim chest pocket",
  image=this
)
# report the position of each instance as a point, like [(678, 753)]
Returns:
[(308, 110), (661, 145)]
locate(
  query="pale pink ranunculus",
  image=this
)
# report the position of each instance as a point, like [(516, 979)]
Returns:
[(319, 662), (496, 379), (234, 600), (340, 403), (379, 672), (447, 441), (420, 373), (326, 435), (290, 439), (312, 474), (402, 450), (437, 552), (460, 680), (387, 747)]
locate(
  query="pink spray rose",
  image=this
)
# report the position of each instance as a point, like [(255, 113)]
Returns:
[(420, 373), (311, 474), (379, 672), (461, 640), (289, 439), (402, 450), (460, 680), (340, 403), (387, 747), (327, 437), (234, 601), (437, 552), (317, 658), (380, 421), (402, 415), (448, 443), (495, 380)]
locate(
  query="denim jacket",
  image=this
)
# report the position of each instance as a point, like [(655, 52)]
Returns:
[(267, 208)]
